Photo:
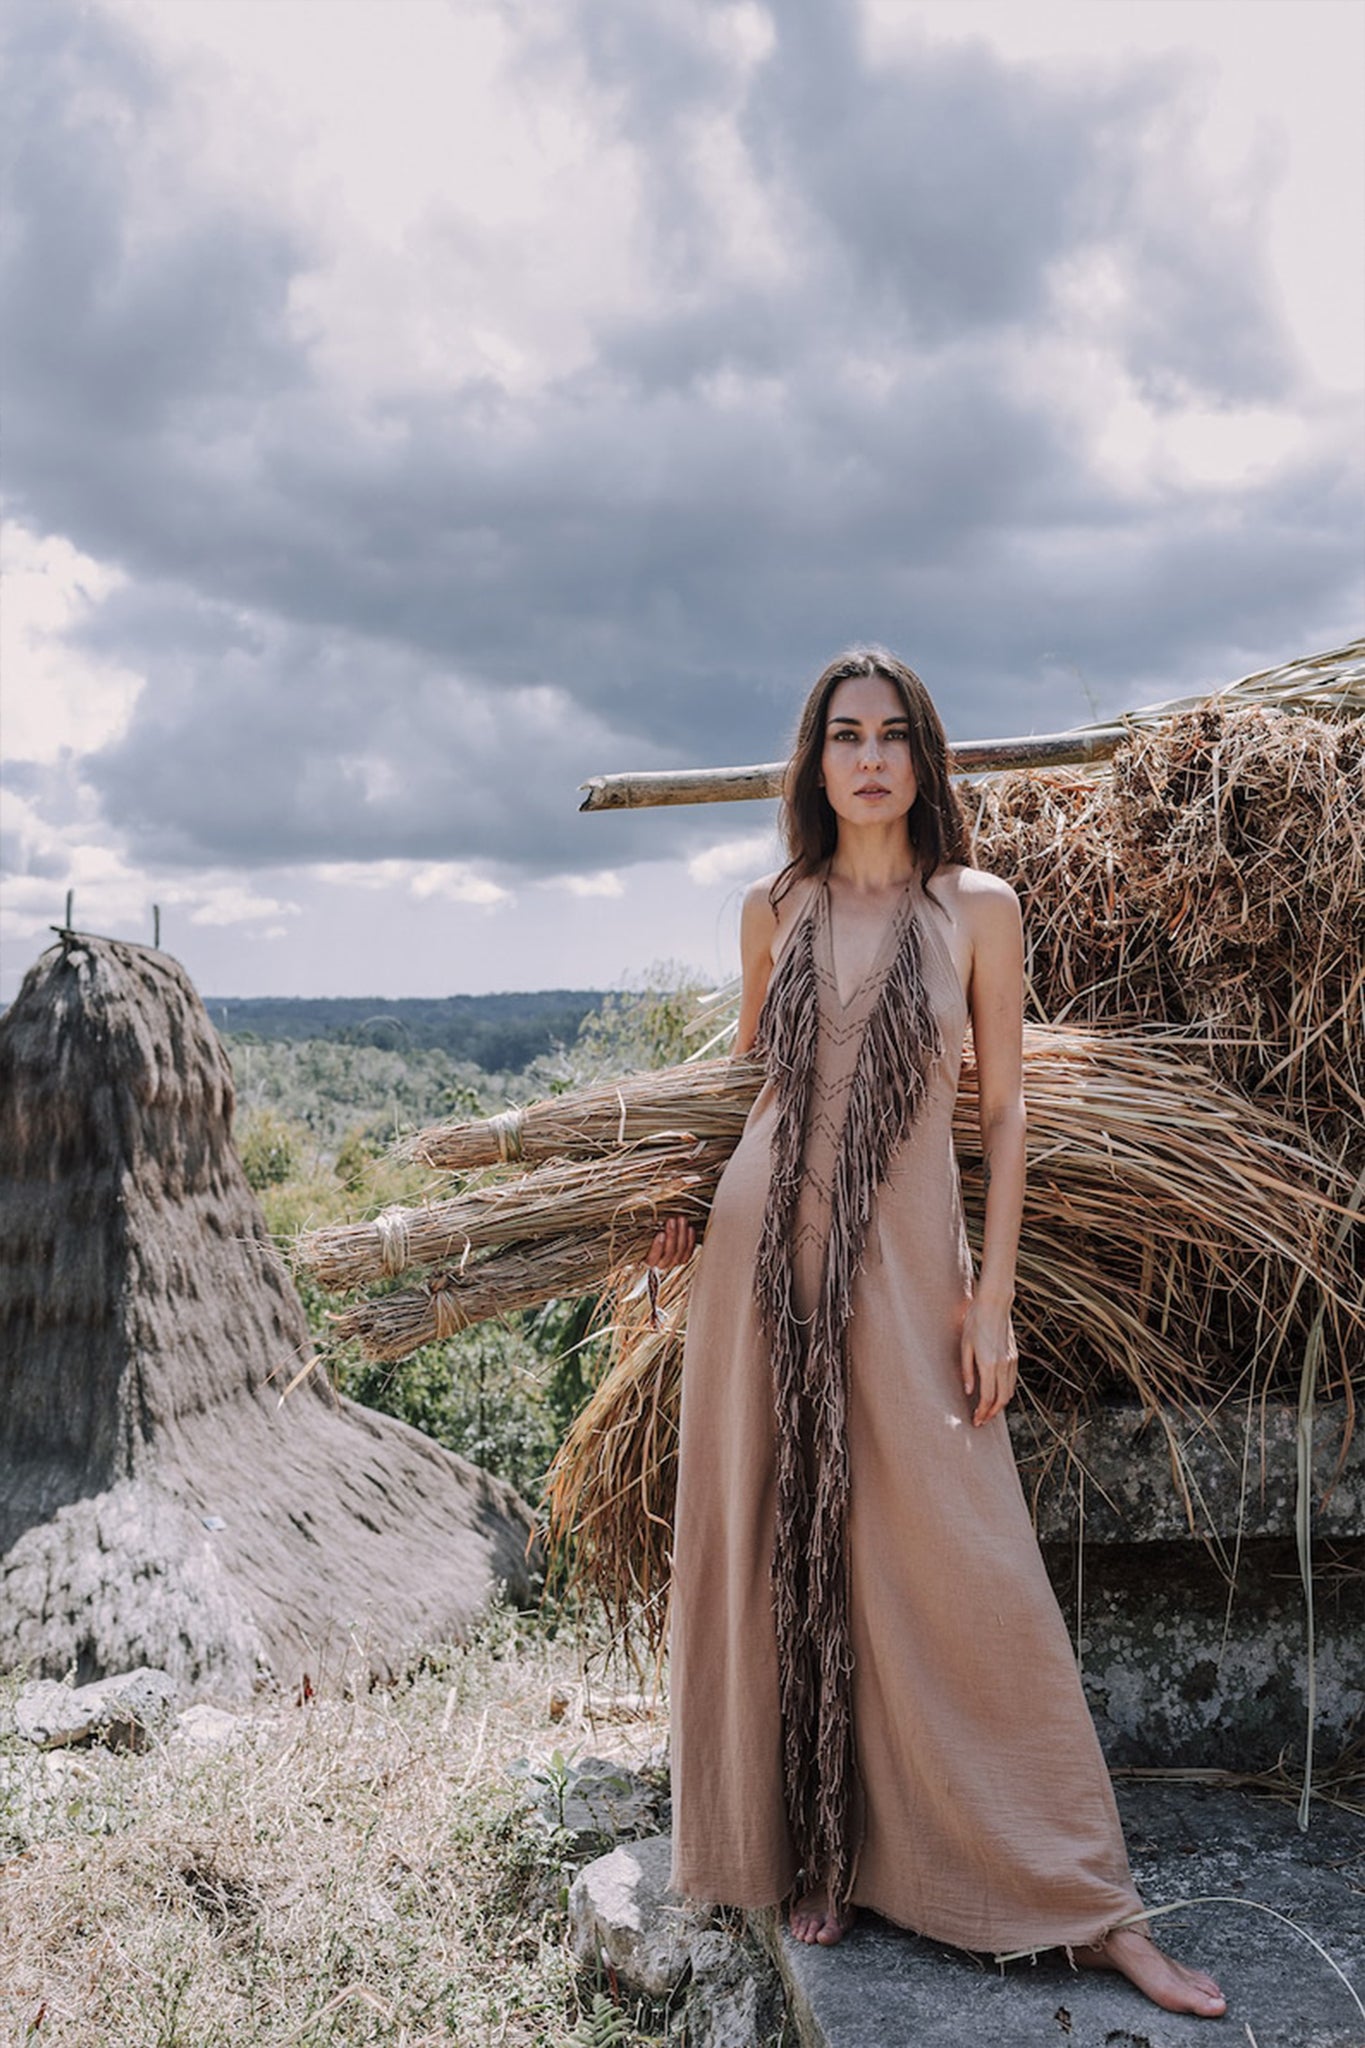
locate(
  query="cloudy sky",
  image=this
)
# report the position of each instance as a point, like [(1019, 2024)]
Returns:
[(415, 406)]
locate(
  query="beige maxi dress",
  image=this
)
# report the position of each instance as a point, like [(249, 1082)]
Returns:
[(984, 1812)]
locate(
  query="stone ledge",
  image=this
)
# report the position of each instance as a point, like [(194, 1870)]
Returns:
[(882, 1988), (1179, 1668)]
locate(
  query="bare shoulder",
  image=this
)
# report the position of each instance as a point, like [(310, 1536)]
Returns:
[(987, 930), (758, 895), (757, 918), (980, 901), (761, 923)]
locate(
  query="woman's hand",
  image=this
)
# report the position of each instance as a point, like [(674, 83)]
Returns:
[(673, 1245), (990, 1358)]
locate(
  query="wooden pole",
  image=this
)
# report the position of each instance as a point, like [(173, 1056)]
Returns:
[(740, 785)]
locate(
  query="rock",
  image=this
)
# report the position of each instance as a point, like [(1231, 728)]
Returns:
[(124, 1712), (1178, 1671), (43, 1707), (598, 1800), (736, 1997), (728, 2014), (208, 1727), (622, 1911), (713, 1953)]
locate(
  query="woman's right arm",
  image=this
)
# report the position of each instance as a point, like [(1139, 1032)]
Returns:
[(677, 1240), (757, 929)]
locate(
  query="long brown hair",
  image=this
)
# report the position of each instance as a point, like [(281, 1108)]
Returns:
[(936, 823)]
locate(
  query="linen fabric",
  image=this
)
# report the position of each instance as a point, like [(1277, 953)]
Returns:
[(982, 1813)]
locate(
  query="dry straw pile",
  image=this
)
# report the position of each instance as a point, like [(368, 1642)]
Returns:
[(145, 1323), (1195, 1079), (1214, 880)]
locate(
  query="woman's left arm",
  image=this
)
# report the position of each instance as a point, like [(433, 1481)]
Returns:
[(990, 1358)]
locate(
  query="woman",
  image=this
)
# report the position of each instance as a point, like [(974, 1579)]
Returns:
[(875, 1698)]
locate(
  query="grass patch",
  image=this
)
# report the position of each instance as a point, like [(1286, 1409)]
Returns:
[(346, 1871)]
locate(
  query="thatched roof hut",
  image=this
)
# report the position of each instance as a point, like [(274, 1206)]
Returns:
[(158, 1504)]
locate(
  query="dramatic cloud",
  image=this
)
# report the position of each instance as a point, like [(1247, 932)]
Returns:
[(978, 358)]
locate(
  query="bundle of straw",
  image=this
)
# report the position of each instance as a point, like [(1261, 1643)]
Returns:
[(392, 1326), (1215, 880), (1146, 1173), (1176, 1238), (702, 1098), (1330, 684), (610, 1492), (619, 1202), (560, 1231)]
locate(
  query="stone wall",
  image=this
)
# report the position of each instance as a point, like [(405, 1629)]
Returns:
[(1192, 1640)]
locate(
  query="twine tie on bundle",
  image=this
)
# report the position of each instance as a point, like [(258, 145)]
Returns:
[(506, 1127), (391, 1228), (445, 1303)]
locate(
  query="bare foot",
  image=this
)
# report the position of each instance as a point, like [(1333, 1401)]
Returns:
[(813, 1919), (1166, 1982)]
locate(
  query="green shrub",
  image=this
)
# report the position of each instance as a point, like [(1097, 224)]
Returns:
[(642, 1028), (485, 1393), (270, 1147)]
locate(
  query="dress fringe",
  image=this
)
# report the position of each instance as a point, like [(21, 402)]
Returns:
[(810, 1570)]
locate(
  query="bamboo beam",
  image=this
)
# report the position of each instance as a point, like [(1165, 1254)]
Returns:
[(1329, 685), (633, 791)]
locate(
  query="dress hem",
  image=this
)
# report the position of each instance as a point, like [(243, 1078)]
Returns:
[(999, 1949)]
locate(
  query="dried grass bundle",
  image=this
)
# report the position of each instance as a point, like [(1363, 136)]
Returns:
[(1181, 1223), (609, 1494), (1051, 837), (1242, 838), (1215, 880), (1327, 685), (1178, 1219), (559, 1231), (619, 1199), (1176, 1238), (391, 1326), (698, 1098)]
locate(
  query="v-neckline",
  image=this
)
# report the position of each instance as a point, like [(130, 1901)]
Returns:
[(884, 944)]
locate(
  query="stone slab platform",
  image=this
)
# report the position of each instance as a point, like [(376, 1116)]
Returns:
[(882, 1988)]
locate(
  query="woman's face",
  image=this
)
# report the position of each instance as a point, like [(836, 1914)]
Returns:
[(866, 767)]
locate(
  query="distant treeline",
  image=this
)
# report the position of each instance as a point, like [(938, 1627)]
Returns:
[(500, 1033)]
